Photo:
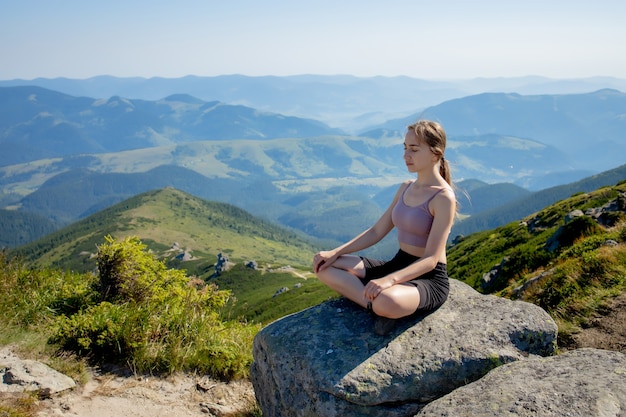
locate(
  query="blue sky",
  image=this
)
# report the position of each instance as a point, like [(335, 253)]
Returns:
[(446, 39)]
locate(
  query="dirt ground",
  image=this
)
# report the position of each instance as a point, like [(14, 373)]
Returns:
[(606, 330), (175, 396), (188, 396)]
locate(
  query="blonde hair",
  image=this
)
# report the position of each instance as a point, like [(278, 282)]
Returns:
[(434, 136)]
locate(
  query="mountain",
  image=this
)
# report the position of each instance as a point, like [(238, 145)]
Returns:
[(475, 196), (516, 209), (78, 193), (19, 228), (171, 223), (36, 123), (587, 128), (329, 186), (246, 173), (491, 137), (347, 102)]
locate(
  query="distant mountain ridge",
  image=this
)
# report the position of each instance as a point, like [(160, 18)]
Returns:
[(588, 129), (344, 101), (528, 204), (493, 137), (75, 194), (36, 123)]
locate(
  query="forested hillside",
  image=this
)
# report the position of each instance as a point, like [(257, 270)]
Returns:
[(18, 228)]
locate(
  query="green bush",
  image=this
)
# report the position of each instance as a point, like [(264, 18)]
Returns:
[(578, 228), (129, 273), (155, 319)]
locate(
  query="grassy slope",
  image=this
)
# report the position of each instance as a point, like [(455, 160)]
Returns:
[(164, 217), (582, 273), (257, 297), (476, 254)]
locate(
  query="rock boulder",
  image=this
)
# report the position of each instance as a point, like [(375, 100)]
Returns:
[(18, 375), (581, 383), (327, 361)]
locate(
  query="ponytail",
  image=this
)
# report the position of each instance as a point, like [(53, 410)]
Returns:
[(444, 170)]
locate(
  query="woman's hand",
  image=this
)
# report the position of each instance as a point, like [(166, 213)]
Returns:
[(375, 287), (323, 260)]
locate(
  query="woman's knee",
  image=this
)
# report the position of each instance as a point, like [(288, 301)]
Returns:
[(396, 304), (344, 265), (323, 274), (385, 306), (329, 275)]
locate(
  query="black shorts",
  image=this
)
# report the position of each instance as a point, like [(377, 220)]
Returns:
[(433, 286)]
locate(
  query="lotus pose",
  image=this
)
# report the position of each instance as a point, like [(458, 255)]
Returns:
[(422, 211)]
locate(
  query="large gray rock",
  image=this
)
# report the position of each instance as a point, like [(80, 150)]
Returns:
[(25, 375), (327, 361), (581, 383)]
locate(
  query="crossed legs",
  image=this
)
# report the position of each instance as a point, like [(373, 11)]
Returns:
[(344, 276)]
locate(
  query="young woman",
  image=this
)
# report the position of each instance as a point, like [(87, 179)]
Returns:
[(423, 212)]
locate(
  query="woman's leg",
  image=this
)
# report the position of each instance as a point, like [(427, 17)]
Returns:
[(344, 276), (397, 301)]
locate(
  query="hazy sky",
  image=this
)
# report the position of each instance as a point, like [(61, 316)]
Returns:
[(435, 39)]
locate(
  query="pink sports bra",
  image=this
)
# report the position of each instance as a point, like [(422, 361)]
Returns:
[(413, 223)]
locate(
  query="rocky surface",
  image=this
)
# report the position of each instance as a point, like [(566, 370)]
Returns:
[(326, 360), (181, 395), (580, 383), (111, 395), (17, 375)]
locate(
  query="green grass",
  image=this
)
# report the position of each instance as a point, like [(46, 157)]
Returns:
[(255, 297), (584, 272)]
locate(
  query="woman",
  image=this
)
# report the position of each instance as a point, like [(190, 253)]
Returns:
[(423, 212)]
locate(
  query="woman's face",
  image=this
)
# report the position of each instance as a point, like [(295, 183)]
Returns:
[(417, 154)]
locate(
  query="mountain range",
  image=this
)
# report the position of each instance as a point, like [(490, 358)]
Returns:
[(67, 157), (351, 103), (38, 123)]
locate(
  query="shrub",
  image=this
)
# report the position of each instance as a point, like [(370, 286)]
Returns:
[(128, 272), (578, 228), (155, 319)]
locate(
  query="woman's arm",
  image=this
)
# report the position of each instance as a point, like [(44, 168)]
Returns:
[(364, 240)]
